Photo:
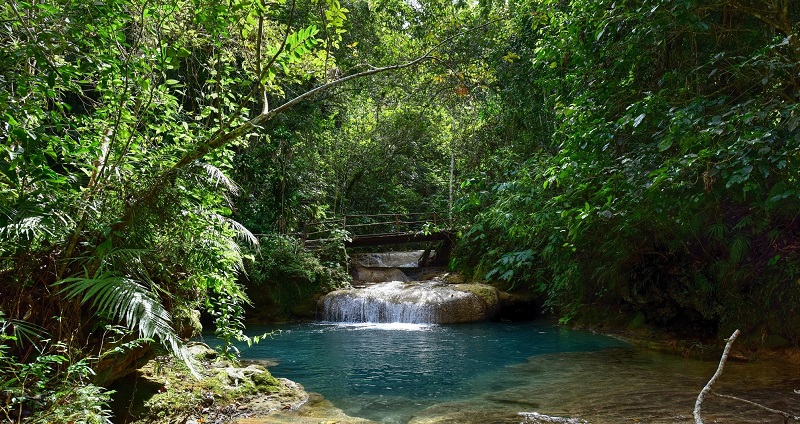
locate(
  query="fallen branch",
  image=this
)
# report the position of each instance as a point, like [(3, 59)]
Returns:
[(707, 389), (699, 403), (786, 415)]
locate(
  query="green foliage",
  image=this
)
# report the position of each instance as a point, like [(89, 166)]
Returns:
[(115, 203), (647, 162), (124, 300), (53, 388), (284, 276), (228, 316)]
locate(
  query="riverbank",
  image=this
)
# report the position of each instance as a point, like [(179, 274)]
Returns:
[(164, 390), (610, 385), (247, 392)]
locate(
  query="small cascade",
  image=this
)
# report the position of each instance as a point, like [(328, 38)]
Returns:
[(405, 259), (404, 302)]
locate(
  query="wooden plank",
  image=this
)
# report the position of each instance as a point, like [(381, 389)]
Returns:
[(371, 240)]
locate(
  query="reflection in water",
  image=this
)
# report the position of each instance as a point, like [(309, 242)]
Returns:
[(490, 372), (624, 385)]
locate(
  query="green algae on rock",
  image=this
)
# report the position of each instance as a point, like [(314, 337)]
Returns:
[(163, 391)]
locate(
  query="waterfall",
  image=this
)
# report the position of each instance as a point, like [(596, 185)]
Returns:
[(401, 302)]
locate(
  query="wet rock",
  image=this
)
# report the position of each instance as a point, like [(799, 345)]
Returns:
[(377, 275), (314, 410), (453, 278), (417, 302), (387, 259)]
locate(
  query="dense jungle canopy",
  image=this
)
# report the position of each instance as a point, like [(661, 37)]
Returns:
[(634, 159)]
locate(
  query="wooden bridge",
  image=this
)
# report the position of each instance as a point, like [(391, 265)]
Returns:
[(380, 229)]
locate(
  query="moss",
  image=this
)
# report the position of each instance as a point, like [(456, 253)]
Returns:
[(187, 321), (455, 278), (265, 382), (164, 389), (485, 292)]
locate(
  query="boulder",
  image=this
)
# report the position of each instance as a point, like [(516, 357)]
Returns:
[(416, 302)]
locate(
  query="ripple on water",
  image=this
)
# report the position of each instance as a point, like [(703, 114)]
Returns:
[(624, 385), (490, 372)]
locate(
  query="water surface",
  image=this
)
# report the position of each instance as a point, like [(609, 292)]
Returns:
[(490, 372), (389, 372)]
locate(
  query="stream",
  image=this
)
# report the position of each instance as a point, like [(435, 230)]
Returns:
[(490, 372)]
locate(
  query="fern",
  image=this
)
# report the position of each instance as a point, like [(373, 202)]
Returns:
[(218, 177), (739, 249), (20, 330), (717, 230), (130, 303), (241, 231)]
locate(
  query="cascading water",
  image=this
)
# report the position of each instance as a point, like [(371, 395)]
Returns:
[(400, 302)]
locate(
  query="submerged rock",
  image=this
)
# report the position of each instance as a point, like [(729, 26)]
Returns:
[(316, 410), (537, 418), (417, 302)]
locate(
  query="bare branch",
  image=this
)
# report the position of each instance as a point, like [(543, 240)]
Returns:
[(786, 415), (699, 403)]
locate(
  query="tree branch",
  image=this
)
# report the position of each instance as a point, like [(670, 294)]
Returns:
[(262, 118), (699, 403), (261, 71), (786, 415), (219, 140)]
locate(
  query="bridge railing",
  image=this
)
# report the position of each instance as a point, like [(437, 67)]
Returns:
[(375, 225)]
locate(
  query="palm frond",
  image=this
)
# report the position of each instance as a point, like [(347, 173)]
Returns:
[(218, 177), (26, 220), (130, 303), (21, 330), (241, 231)]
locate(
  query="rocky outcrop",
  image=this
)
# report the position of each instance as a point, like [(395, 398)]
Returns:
[(416, 302), (163, 391)]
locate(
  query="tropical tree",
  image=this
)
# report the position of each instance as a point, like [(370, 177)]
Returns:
[(653, 171)]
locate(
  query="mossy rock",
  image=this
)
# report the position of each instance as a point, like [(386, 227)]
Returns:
[(122, 363), (265, 382), (454, 278), (488, 294), (165, 391), (201, 351), (187, 322)]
